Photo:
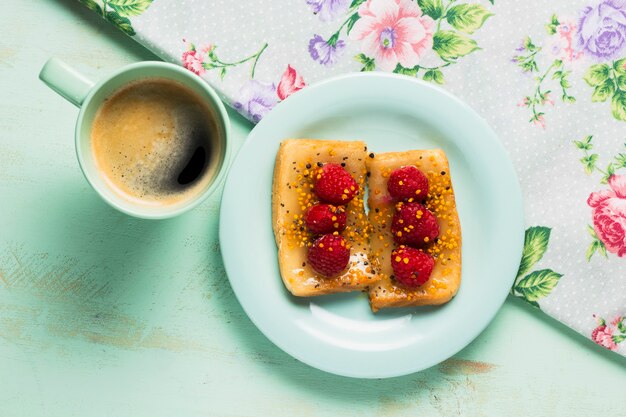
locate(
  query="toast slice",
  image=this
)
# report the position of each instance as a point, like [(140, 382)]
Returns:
[(292, 194), (445, 279)]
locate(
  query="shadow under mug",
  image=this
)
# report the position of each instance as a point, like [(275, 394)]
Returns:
[(89, 96)]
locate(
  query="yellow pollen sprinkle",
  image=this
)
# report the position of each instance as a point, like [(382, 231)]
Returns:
[(330, 249), (426, 239), (352, 187), (344, 197), (405, 260), (345, 190), (411, 200), (398, 259), (336, 225), (321, 245), (399, 234), (418, 191), (400, 182), (343, 243)]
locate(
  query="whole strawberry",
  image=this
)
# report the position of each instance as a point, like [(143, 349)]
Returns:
[(411, 267), (325, 218), (329, 255), (413, 224), (335, 185), (408, 184)]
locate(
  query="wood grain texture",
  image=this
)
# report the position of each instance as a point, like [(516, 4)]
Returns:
[(102, 314)]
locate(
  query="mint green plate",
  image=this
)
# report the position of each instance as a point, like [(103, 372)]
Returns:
[(338, 333)]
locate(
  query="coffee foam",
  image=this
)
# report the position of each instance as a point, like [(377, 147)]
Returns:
[(145, 135)]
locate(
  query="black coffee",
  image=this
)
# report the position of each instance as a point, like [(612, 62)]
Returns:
[(156, 140)]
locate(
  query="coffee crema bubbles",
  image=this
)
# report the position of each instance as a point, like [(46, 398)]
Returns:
[(155, 141)]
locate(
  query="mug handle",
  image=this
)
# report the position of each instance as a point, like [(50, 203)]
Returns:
[(66, 81)]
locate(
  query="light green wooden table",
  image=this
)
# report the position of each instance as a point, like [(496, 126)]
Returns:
[(105, 315)]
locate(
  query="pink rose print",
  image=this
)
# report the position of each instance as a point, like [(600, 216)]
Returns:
[(539, 121), (561, 46), (603, 335), (393, 32), (192, 60), (609, 335), (609, 215), (290, 82)]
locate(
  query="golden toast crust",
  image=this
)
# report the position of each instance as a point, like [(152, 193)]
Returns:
[(296, 161), (446, 276)]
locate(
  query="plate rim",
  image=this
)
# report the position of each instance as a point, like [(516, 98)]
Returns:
[(515, 195)]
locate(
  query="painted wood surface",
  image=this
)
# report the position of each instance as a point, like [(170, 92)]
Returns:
[(102, 314)]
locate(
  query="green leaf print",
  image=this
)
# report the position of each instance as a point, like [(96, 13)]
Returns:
[(584, 144), (434, 75), (399, 69), (554, 23), (356, 3), (432, 8), (619, 338), (589, 162), (118, 11), (596, 244), (621, 326), (620, 66), (351, 21), (618, 105), (467, 17), (597, 74), (609, 81), (92, 5), (535, 245), (538, 284), (451, 45), (603, 91), (620, 160), (129, 7), (121, 22), (368, 63)]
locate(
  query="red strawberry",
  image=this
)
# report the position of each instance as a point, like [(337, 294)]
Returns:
[(335, 185), (413, 224), (408, 183), (411, 267), (329, 255), (324, 218)]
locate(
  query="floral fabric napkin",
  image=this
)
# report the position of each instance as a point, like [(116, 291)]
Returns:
[(549, 77)]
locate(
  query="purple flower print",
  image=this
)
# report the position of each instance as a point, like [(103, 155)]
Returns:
[(602, 29), (326, 52), (256, 99), (328, 10)]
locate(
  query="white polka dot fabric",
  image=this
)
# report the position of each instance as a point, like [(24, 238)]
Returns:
[(543, 74)]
